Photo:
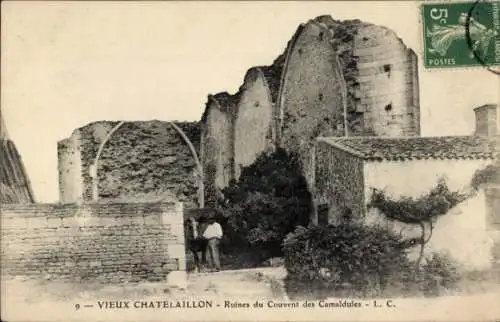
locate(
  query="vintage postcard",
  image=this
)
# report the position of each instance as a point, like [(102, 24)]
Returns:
[(250, 161)]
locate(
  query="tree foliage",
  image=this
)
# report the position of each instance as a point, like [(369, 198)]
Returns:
[(355, 260), (350, 257), (268, 201), (438, 201), (439, 271), (422, 211)]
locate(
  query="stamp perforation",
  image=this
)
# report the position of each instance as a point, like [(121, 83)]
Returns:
[(459, 34)]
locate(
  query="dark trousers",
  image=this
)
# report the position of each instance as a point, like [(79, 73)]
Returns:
[(213, 252)]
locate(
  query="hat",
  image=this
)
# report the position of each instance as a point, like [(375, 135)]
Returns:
[(212, 214)]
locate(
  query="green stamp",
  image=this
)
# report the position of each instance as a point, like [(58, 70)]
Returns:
[(461, 34)]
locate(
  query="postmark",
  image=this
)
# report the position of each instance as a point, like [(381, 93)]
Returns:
[(461, 34)]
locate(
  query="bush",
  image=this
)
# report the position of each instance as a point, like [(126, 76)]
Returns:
[(344, 260), (439, 272), (269, 200)]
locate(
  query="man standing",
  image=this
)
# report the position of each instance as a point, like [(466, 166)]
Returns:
[(213, 233)]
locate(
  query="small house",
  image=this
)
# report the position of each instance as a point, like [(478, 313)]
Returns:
[(347, 170)]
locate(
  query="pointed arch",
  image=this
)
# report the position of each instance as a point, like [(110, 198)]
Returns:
[(94, 166)]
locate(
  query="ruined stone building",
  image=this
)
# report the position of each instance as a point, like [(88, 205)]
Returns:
[(216, 147), (15, 186), (335, 78), (141, 162)]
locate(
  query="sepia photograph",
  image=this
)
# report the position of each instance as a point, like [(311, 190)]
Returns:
[(250, 160)]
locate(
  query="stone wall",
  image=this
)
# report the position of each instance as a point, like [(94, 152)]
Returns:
[(89, 139), (142, 161), (70, 169), (388, 93), (339, 182), (254, 120), (311, 93), (217, 147), (335, 78), (104, 242), (376, 75)]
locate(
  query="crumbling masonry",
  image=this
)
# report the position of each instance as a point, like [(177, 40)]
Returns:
[(335, 78), (144, 161)]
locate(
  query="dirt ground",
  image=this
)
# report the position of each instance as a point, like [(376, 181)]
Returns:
[(249, 283), (28, 300), (20, 295)]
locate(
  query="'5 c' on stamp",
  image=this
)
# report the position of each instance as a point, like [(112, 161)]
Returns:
[(461, 34)]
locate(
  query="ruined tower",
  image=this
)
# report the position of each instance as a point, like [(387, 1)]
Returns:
[(346, 78), (335, 78)]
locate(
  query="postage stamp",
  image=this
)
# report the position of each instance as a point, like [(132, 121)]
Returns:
[(461, 34)]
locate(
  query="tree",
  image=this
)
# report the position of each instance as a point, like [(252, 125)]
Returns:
[(268, 201), (422, 211)]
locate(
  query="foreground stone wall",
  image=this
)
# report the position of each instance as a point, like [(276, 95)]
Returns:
[(110, 243)]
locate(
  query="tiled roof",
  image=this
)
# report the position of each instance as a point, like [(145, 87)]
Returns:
[(394, 149)]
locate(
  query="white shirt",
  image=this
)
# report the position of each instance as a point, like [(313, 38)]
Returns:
[(213, 231)]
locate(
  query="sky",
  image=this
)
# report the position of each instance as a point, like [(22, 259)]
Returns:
[(66, 64)]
